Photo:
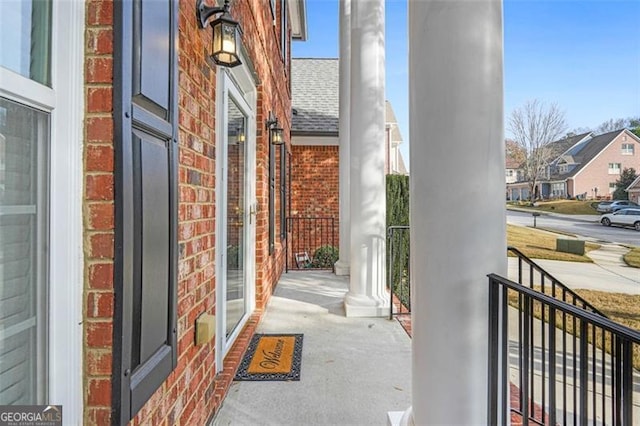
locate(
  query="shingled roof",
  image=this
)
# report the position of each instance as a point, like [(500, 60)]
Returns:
[(315, 97), (390, 119), (588, 152), (563, 145)]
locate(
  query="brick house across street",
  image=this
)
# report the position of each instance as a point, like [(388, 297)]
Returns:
[(587, 167)]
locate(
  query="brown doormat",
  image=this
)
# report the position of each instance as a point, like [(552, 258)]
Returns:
[(272, 357)]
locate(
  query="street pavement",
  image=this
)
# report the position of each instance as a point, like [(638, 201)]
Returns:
[(609, 272), (584, 226)]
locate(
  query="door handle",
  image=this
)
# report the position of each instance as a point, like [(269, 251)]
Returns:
[(253, 210)]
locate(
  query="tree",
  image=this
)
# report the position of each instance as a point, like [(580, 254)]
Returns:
[(626, 178), (632, 123), (533, 127), (611, 125)]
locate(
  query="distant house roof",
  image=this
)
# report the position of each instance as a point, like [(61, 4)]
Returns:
[(390, 118), (587, 151), (315, 97), (635, 185), (565, 144), (402, 167), (514, 155)]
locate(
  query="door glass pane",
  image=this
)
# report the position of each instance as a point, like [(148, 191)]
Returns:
[(23, 230), (235, 244), (25, 38)]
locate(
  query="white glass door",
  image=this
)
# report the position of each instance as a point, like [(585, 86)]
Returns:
[(235, 176), (235, 209)]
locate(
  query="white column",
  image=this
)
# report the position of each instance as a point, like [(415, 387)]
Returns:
[(342, 265), (458, 229), (367, 293)]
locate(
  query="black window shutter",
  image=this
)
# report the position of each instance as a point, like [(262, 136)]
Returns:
[(283, 191), (146, 134), (272, 190)]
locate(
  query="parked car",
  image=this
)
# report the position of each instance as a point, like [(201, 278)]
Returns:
[(614, 206), (624, 217), (603, 206)]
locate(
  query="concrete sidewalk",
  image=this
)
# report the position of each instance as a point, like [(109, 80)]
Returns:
[(607, 273), (354, 370)]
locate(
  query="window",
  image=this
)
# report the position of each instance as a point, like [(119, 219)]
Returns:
[(627, 149), (557, 189), (25, 37), (612, 187), (40, 204), (614, 168), (25, 31), (509, 173), (24, 173)]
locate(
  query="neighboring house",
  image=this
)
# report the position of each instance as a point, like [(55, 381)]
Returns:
[(394, 163), (634, 190), (138, 194), (587, 166), (314, 138), (514, 157)]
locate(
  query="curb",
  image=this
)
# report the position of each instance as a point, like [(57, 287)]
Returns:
[(558, 215)]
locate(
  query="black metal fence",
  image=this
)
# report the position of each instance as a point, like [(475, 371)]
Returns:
[(532, 275), (567, 363), (398, 270), (312, 243)]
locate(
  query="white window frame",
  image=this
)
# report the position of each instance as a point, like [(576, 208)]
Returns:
[(628, 149), (612, 187), (614, 168), (66, 277)]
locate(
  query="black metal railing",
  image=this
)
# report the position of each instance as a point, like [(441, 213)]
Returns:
[(566, 364), (398, 271), (532, 275), (312, 243)]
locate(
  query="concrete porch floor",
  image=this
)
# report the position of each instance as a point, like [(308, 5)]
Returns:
[(354, 370)]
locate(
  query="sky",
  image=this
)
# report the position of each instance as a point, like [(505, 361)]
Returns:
[(583, 55)]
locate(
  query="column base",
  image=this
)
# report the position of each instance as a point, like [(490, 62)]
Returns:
[(341, 267), (400, 418), (366, 306)]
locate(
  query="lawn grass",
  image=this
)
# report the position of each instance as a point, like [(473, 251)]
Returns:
[(621, 308), (538, 244), (633, 257), (565, 207)]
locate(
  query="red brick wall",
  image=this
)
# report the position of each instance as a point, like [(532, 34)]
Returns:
[(98, 212), (315, 192), (192, 392), (315, 181)]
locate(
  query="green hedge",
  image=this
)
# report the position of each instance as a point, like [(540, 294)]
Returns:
[(398, 214)]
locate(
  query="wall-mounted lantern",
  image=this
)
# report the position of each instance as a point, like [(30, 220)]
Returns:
[(226, 33), (276, 133), (240, 135)]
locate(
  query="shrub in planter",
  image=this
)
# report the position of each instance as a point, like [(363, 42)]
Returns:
[(325, 257)]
